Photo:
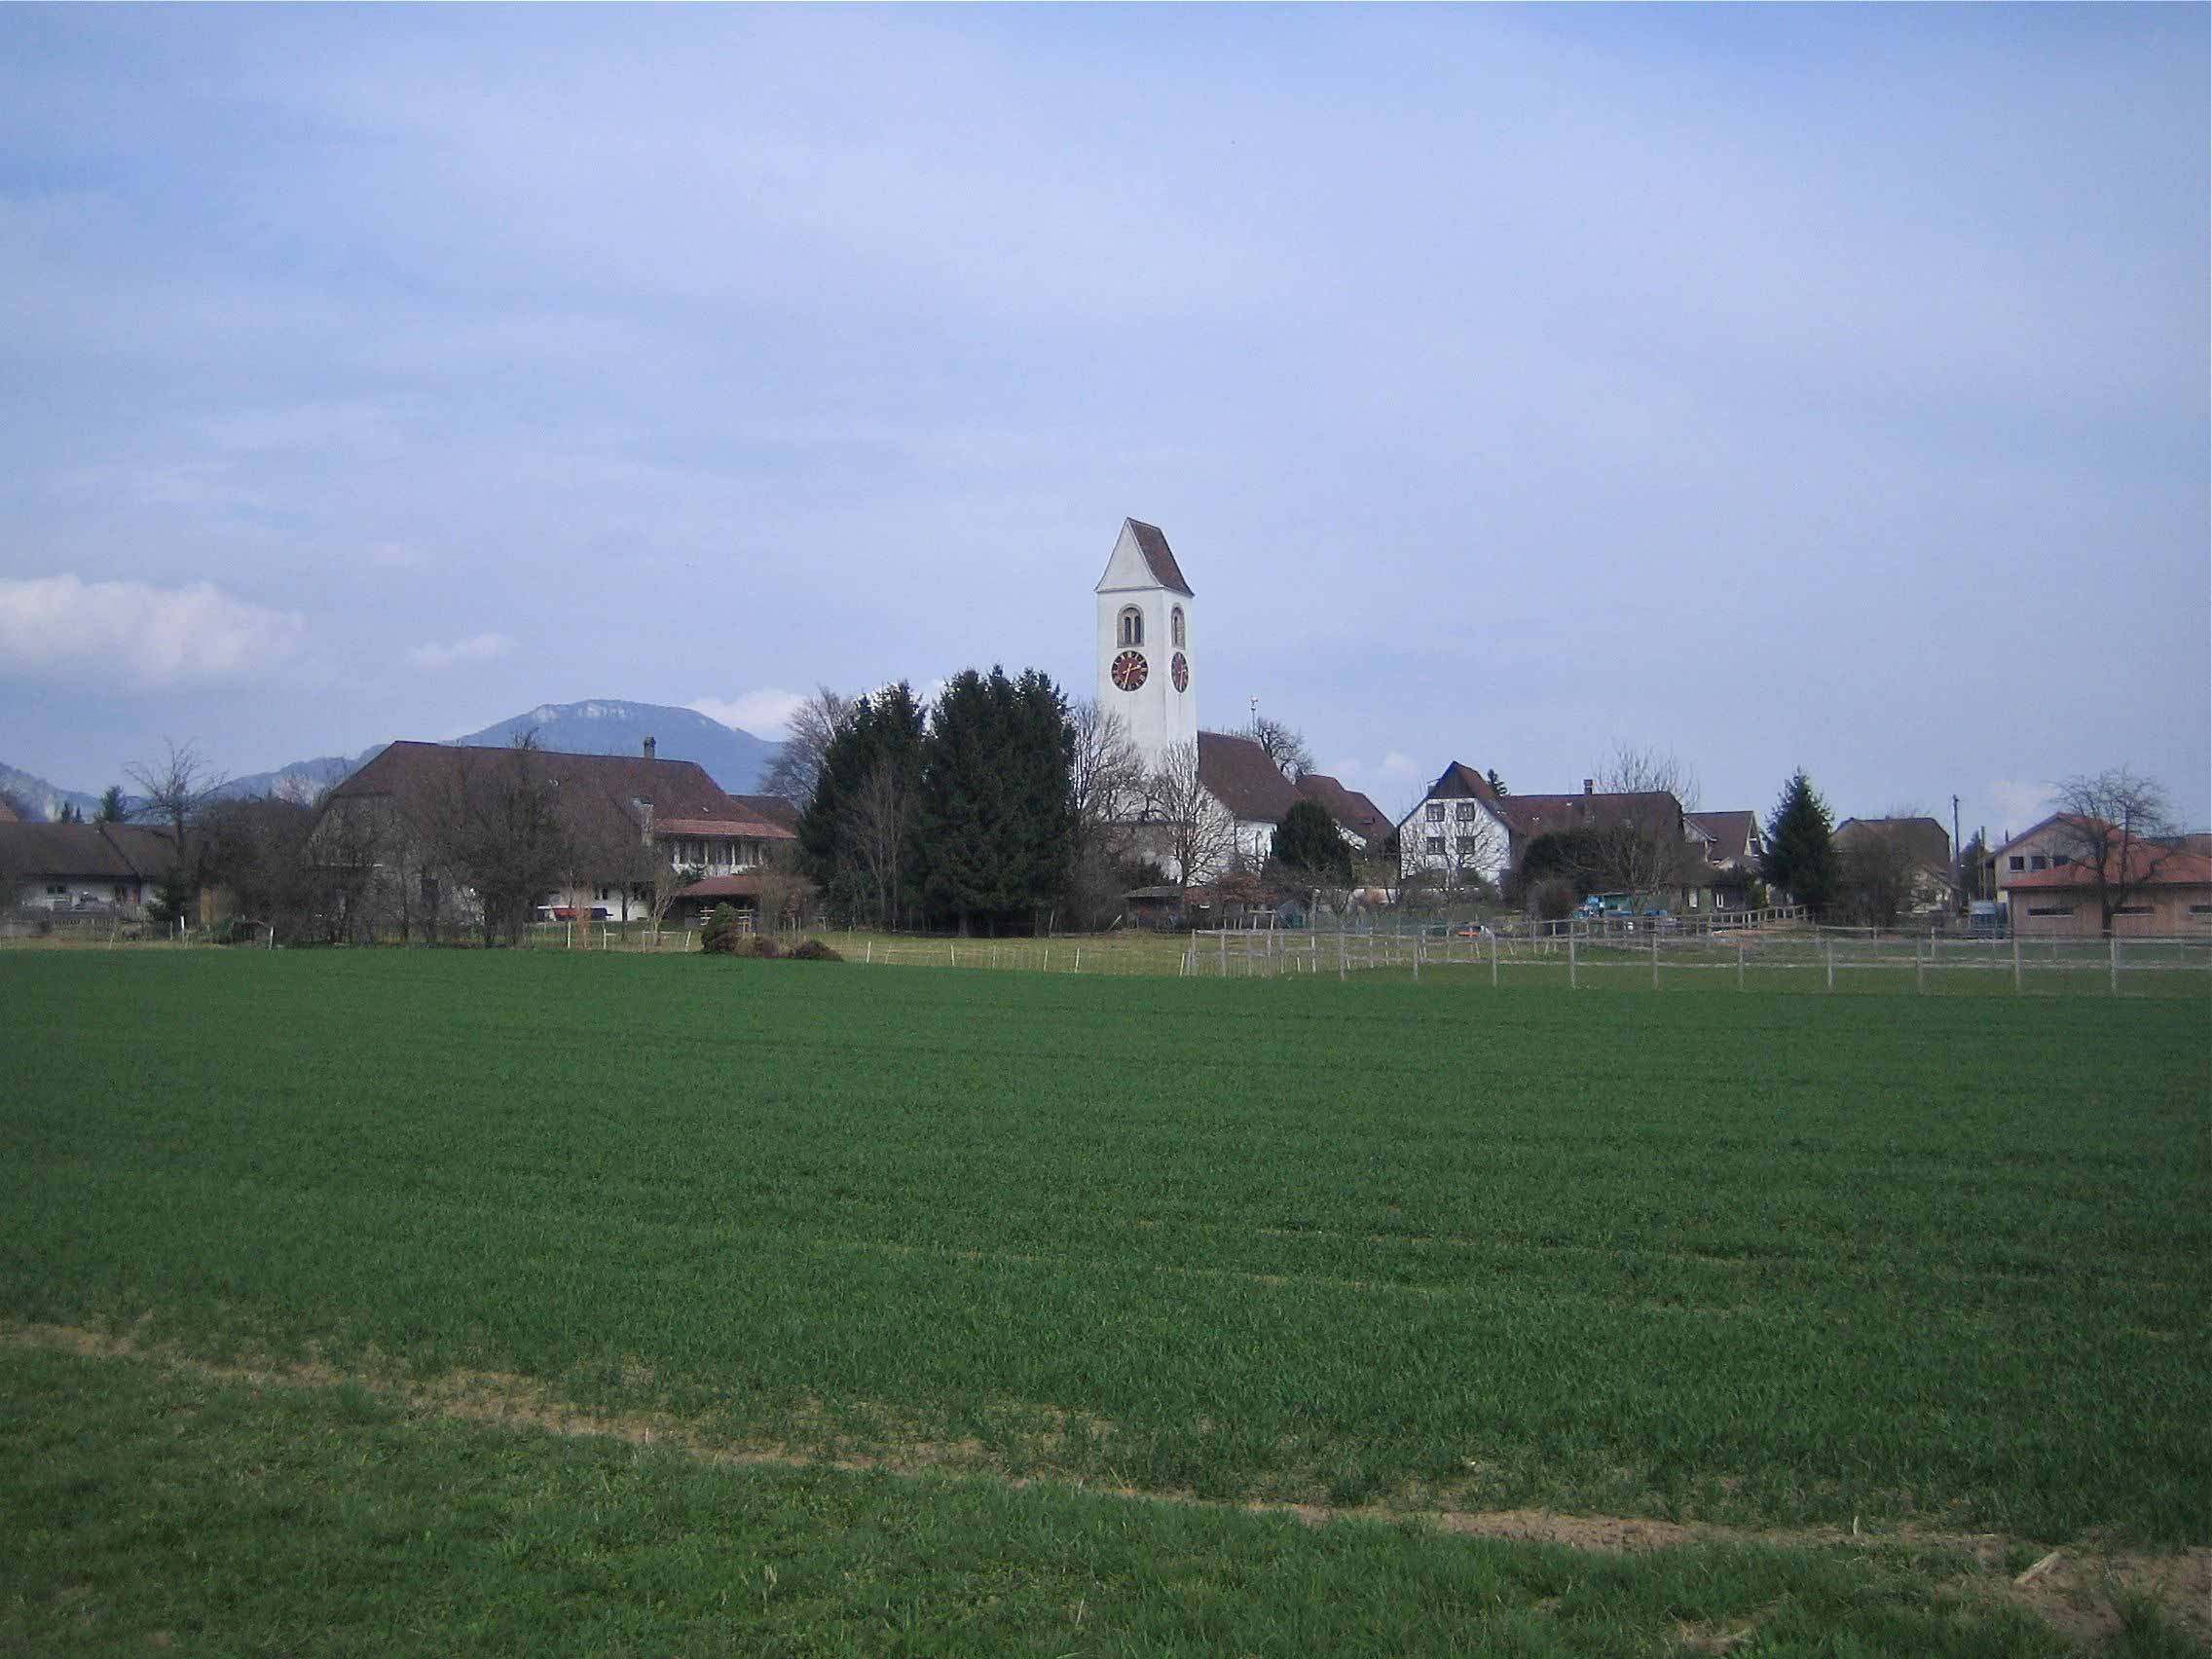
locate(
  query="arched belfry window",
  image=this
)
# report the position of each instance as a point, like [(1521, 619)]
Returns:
[(1133, 626), (1176, 626)]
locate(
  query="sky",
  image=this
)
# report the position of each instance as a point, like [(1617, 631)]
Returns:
[(1764, 387)]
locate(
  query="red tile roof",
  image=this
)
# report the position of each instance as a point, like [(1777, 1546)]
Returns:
[(2150, 863), (1238, 773)]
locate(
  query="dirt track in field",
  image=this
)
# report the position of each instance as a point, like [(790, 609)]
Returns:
[(2071, 1587)]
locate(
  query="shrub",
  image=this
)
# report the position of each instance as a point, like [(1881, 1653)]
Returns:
[(814, 951), (1552, 898), (763, 946), (721, 935)]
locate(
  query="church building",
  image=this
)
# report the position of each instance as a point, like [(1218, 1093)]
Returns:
[(1149, 675)]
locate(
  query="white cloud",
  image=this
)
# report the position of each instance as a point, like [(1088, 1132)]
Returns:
[(1396, 766), (63, 627), (477, 647), (764, 713)]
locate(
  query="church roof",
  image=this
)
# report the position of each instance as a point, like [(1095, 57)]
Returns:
[(1353, 811), (1238, 773), (1159, 557)]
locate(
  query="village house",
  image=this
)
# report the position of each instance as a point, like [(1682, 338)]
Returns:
[(83, 866)]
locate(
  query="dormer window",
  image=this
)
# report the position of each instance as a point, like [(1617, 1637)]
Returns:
[(1133, 626), (1175, 626)]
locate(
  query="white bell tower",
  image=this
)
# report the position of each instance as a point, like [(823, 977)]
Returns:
[(1147, 672)]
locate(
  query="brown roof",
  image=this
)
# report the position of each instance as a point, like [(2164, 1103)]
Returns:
[(598, 793), (744, 885), (769, 809), (93, 852), (1353, 812), (1730, 832), (1460, 781), (1926, 841), (754, 826), (2166, 866), (1529, 816), (7, 812), (1159, 557), (1238, 773)]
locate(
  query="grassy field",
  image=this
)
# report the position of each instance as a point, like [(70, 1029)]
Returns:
[(1927, 1268)]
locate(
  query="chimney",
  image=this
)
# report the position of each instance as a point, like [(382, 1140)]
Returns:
[(649, 749), (1589, 785)]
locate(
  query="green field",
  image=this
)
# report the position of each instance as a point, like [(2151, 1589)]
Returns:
[(1927, 1266)]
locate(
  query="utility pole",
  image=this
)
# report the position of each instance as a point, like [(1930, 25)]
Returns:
[(1958, 854)]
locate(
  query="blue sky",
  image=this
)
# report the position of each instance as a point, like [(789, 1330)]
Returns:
[(1774, 386)]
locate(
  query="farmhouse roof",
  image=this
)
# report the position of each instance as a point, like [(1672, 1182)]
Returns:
[(745, 884), (598, 794), (1728, 834), (1529, 816), (2057, 819), (1927, 842), (1353, 812), (769, 809), (2166, 866), (105, 852), (758, 829), (1238, 773)]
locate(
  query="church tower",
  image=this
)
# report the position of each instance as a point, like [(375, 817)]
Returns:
[(1146, 671)]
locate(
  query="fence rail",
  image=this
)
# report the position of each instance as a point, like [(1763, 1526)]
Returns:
[(1923, 964)]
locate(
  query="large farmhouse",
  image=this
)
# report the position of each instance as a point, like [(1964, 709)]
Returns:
[(627, 821)]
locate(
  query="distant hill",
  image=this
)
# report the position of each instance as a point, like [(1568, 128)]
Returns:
[(44, 800), (736, 759)]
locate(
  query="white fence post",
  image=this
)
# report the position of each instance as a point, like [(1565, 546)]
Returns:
[(1739, 965), (1494, 961), (2116, 963), (1654, 956), (1570, 963), (2016, 986), (1831, 964)]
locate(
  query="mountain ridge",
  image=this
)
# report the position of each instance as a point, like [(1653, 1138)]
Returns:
[(735, 758)]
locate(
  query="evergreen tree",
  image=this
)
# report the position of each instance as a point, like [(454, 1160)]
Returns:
[(994, 828), (1800, 852), (114, 809), (1307, 839)]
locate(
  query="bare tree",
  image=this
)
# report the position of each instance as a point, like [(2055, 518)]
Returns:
[(782, 889), (798, 760), (2112, 825), (670, 879), (1106, 771), (1285, 745), (1877, 872), (1643, 844), (176, 787), (878, 822), (1195, 837), (498, 828)]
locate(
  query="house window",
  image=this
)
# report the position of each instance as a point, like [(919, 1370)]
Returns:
[(1464, 812), (57, 889), (2200, 909), (1176, 627), (1434, 845), (2050, 909), (1133, 626), (1436, 812), (2016, 862), (2131, 910), (2039, 863)]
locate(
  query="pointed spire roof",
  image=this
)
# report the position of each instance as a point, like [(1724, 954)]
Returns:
[(1151, 549)]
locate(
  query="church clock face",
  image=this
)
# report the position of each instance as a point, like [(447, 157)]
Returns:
[(1129, 670), (1181, 669)]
